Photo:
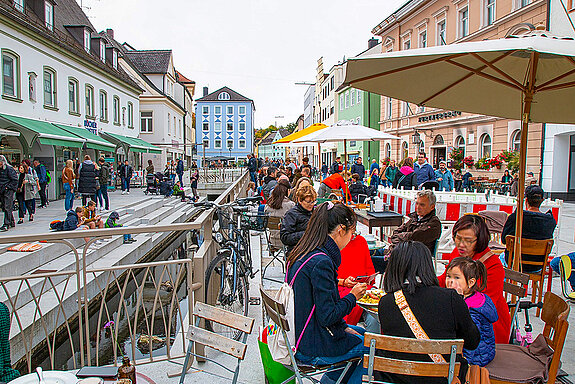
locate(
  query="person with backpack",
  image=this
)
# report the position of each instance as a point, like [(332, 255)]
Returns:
[(324, 337), (406, 177), (42, 174), (8, 186), (74, 219), (180, 171), (104, 180)]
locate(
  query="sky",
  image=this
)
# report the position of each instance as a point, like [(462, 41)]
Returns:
[(258, 48)]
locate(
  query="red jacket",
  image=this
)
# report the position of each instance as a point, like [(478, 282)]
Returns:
[(494, 289), (336, 181)]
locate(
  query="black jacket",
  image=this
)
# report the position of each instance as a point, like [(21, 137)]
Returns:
[(293, 226), (427, 230), (126, 171), (316, 284), (8, 179), (334, 167), (407, 182), (441, 312), (87, 178), (359, 169), (356, 189), (268, 186), (252, 164), (104, 176), (71, 221)]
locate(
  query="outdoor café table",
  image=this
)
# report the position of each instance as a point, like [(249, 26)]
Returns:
[(379, 219), (369, 310)]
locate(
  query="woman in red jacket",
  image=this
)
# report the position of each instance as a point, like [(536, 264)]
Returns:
[(471, 237)]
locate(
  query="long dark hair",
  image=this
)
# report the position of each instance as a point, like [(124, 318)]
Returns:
[(325, 218), (409, 266), (278, 194), (471, 269)]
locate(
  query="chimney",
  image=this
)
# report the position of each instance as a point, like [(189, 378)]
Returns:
[(205, 91), (110, 32), (372, 43)]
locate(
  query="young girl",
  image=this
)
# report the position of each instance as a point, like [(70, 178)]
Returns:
[(468, 277), (251, 192)]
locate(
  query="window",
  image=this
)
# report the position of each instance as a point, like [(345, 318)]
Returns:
[(230, 110), (206, 127), (485, 146), (388, 150), (404, 150), (230, 127), (525, 2), (130, 115), (116, 110), (464, 22), (489, 12), (352, 97), (89, 101), (341, 101), (423, 39), (230, 144), (242, 144), (32, 86), (242, 126), (405, 109), (347, 99), (206, 144), (218, 110), (224, 96), (206, 110), (49, 15), (103, 106), (460, 143), (407, 44), (19, 5), (242, 110), (515, 142), (102, 51), (169, 124), (332, 83), (218, 126), (175, 126), (115, 59), (146, 121), (389, 107), (49, 88), (358, 93), (331, 108), (441, 33), (87, 37), (10, 75), (217, 143)]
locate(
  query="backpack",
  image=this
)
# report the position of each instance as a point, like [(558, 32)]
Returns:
[(57, 225), (48, 177), (276, 342)]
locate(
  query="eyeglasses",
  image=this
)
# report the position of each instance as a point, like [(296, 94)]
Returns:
[(464, 240)]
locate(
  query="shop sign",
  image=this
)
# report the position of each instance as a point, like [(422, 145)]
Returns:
[(439, 116), (91, 126)]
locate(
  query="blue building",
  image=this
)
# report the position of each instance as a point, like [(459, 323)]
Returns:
[(224, 125)]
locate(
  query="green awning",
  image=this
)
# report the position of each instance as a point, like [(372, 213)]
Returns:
[(46, 133), (135, 144), (93, 141)]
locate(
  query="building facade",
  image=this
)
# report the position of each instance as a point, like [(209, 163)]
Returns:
[(266, 148), (62, 89), (423, 23), (308, 106), (225, 125)]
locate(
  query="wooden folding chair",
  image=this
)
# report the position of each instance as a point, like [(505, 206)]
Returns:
[(539, 249), (277, 313), (275, 246), (213, 340), (515, 289), (373, 363)]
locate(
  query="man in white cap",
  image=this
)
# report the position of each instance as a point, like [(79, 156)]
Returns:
[(444, 177)]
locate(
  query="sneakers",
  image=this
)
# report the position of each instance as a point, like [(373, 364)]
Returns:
[(20, 221), (130, 241), (123, 192), (3, 228), (128, 192)]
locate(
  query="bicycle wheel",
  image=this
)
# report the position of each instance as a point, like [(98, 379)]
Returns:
[(220, 291)]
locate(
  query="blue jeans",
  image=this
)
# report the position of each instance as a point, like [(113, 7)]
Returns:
[(555, 265), (356, 372), (253, 177), (69, 199), (180, 177), (125, 184), (102, 196)]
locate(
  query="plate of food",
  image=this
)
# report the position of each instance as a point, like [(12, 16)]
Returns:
[(372, 297)]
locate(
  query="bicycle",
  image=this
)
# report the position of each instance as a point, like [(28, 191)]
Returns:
[(226, 276)]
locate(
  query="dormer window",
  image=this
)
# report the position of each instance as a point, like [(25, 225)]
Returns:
[(49, 15), (102, 51), (87, 39), (115, 59), (224, 96), (19, 5)]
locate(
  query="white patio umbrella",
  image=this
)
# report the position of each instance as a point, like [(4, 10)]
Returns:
[(530, 77)]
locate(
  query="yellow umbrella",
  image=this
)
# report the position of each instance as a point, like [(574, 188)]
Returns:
[(296, 135)]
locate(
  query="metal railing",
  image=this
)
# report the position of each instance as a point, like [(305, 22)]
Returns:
[(220, 175), (65, 311)]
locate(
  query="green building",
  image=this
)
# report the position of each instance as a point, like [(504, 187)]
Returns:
[(362, 108)]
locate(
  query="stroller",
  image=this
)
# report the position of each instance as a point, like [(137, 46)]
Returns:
[(166, 187), (152, 184)]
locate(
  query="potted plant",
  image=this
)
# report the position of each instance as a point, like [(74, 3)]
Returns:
[(457, 156), (482, 163), (468, 160), (495, 162)]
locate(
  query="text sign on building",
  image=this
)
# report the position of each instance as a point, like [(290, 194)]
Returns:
[(91, 126), (439, 116)]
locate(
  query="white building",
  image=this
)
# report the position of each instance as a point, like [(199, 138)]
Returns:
[(62, 89)]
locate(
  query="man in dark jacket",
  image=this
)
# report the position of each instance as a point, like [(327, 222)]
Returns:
[(269, 182), (8, 186), (423, 169), (87, 185), (74, 218), (324, 170), (423, 224), (104, 179), (42, 180), (179, 172), (126, 172), (358, 168), (253, 168), (536, 224), (335, 167)]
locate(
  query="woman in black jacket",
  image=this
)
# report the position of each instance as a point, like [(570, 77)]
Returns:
[(324, 337), (295, 220), (406, 176), (441, 312), (87, 179)]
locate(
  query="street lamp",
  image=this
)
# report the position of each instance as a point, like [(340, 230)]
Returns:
[(230, 149), (416, 138)]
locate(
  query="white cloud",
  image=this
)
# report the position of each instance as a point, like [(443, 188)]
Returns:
[(259, 48)]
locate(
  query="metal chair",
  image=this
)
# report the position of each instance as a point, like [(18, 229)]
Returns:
[(275, 246), (277, 313), (448, 369), (213, 340), (514, 285)]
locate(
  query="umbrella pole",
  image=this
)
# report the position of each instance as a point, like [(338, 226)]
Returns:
[(345, 165), (528, 98), (319, 157)]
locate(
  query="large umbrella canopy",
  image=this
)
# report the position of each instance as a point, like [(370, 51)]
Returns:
[(530, 77), (345, 130), (296, 135)]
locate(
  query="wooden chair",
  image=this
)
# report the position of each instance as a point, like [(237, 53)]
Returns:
[(554, 314), (275, 246), (213, 340), (515, 289), (277, 313), (448, 369), (565, 271), (533, 248)]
